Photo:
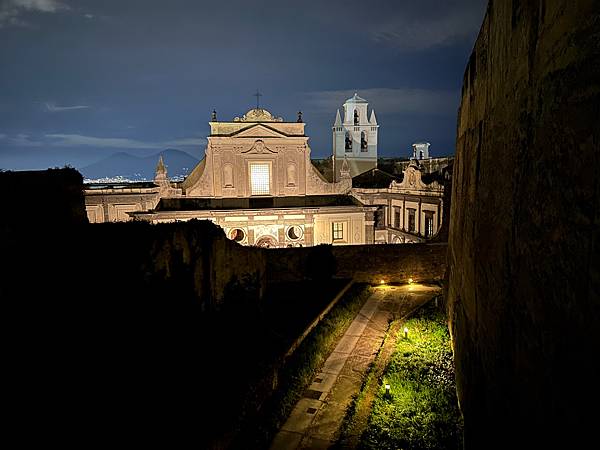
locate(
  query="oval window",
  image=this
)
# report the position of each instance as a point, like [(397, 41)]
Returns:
[(294, 232), (237, 234)]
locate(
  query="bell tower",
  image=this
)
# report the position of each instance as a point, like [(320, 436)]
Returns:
[(355, 138)]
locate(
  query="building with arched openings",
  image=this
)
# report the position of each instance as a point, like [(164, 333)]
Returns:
[(355, 138), (257, 181)]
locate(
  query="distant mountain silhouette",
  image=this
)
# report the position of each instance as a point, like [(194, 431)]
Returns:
[(123, 164)]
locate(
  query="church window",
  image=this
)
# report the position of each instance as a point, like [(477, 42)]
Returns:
[(397, 217), (294, 233), (237, 234), (428, 223), (348, 142), (260, 179), (380, 218), (228, 175), (363, 142), (412, 220), (337, 231), (356, 120)]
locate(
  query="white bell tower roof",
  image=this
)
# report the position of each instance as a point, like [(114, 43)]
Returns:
[(373, 119), (338, 119), (356, 99)]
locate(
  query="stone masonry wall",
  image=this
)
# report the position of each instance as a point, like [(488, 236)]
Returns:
[(364, 263), (524, 272)]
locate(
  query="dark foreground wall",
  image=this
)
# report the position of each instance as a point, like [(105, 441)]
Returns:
[(110, 329), (363, 263), (524, 273), (53, 196)]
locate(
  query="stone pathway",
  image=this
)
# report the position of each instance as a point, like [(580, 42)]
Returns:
[(316, 418)]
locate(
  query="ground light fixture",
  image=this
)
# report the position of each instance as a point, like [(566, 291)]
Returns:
[(387, 390), (410, 281), (405, 333), (381, 281)]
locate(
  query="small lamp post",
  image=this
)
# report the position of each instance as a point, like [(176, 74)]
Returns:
[(405, 332), (388, 392)]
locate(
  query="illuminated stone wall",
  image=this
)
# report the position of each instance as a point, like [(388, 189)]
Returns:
[(524, 274), (258, 139), (363, 263)]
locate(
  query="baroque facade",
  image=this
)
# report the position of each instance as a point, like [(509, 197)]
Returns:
[(257, 182), (410, 208)]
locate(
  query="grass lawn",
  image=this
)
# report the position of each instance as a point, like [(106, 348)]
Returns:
[(421, 411)]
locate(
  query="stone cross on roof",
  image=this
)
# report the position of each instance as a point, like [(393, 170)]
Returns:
[(257, 95)]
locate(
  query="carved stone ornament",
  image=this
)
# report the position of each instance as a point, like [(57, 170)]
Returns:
[(265, 230), (258, 115), (259, 147), (412, 178)]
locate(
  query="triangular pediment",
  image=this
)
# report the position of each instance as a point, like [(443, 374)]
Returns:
[(258, 131)]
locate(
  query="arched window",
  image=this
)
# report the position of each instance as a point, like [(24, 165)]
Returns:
[(363, 142), (356, 120), (348, 142), (228, 175)]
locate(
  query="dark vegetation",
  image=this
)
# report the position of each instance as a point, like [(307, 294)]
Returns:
[(109, 332), (299, 370), (244, 344)]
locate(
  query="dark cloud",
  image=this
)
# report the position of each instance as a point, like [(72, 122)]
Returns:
[(151, 71)]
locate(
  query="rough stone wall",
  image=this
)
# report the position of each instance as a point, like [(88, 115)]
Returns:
[(524, 274), (186, 261), (364, 263), (219, 269), (46, 237)]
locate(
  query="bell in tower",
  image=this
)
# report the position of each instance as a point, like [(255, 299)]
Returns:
[(355, 137)]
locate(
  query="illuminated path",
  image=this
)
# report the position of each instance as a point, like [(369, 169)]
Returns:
[(316, 418)]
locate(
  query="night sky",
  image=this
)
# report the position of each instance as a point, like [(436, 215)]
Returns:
[(82, 79)]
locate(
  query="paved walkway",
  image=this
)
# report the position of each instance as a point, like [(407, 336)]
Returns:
[(316, 418)]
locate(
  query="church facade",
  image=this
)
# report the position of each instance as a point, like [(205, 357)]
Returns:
[(257, 182)]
